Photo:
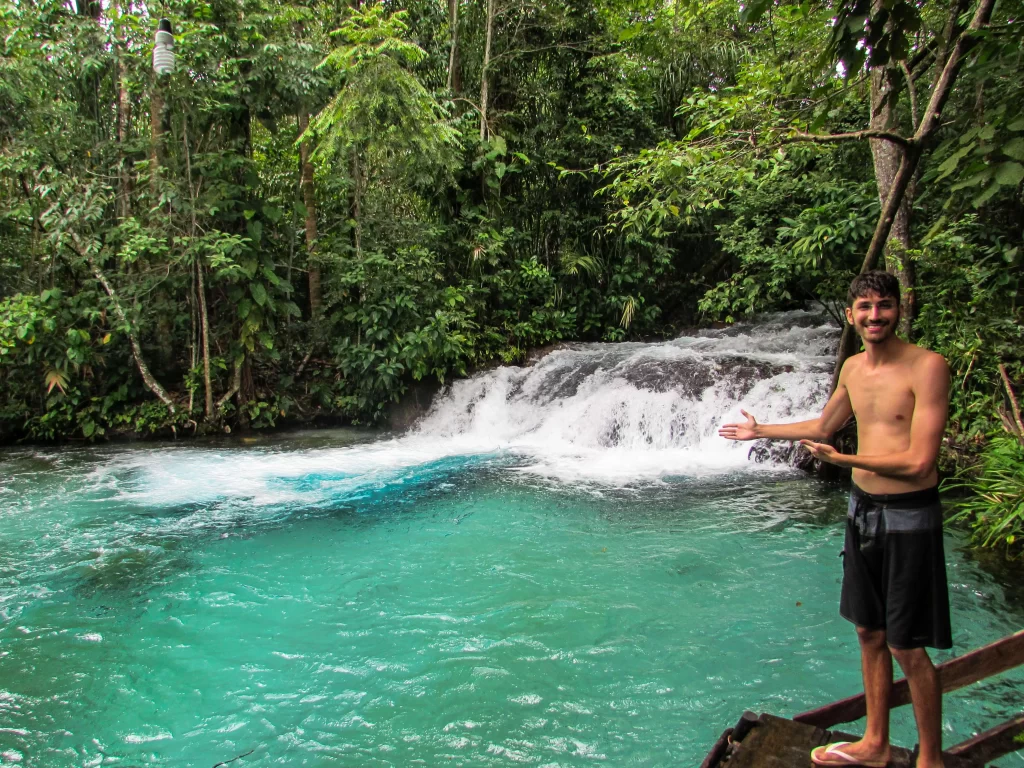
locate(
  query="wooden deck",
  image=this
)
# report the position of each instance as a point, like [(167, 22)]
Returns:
[(775, 742)]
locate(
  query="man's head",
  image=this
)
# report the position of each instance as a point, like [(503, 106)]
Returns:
[(873, 306)]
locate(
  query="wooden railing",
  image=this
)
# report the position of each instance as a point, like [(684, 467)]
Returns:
[(954, 674), (992, 659)]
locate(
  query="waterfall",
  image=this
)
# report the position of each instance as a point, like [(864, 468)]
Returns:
[(597, 414), (633, 410)]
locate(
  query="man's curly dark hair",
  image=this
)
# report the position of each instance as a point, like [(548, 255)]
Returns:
[(875, 281)]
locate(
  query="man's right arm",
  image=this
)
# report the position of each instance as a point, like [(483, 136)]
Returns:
[(834, 415)]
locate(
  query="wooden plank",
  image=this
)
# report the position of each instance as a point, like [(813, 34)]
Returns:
[(954, 674), (993, 743), (777, 743)]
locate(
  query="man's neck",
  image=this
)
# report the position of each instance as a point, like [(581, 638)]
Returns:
[(879, 354)]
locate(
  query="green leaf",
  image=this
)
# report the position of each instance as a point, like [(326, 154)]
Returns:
[(259, 293), (985, 196), (248, 213), (754, 10), (1014, 148), (1009, 174), (950, 163), (1017, 125), (973, 181)]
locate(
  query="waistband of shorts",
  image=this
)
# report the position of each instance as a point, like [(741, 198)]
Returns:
[(910, 500)]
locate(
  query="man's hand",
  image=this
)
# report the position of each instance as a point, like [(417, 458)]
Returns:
[(822, 451), (745, 431)]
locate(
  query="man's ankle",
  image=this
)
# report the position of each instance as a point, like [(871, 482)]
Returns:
[(875, 743)]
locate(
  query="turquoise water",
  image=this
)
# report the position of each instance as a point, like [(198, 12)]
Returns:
[(181, 606)]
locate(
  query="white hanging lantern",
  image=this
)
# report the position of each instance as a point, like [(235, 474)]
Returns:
[(163, 51)]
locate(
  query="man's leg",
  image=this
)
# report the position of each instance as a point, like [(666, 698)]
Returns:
[(926, 695), (876, 669)]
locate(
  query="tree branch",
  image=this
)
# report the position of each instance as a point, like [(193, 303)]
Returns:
[(870, 133), (140, 362)]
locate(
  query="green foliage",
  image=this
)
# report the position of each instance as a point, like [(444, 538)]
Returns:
[(971, 314), (994, 506)]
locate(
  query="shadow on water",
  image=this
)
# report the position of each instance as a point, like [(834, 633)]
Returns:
[(129, 574)]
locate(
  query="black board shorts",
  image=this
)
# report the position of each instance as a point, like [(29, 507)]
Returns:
[(894, 568)]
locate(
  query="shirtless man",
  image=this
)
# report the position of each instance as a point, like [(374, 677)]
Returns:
[(894, 573)]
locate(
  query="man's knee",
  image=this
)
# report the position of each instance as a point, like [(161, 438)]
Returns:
[(912, 660), (871, 638)]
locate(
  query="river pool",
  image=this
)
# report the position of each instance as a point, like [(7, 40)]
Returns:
[(343, 598)]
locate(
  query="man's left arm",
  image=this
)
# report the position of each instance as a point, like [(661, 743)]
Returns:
[(931, 407)]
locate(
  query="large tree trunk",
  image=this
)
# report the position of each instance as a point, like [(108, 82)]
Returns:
[(885, 88), (484, 73), (309, 200)]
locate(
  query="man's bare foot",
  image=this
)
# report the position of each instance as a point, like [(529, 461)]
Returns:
[(852, 753)]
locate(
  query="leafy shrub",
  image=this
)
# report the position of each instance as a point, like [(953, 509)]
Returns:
[(994, 508)]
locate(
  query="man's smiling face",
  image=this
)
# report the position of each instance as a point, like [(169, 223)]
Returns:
[(874, 317)]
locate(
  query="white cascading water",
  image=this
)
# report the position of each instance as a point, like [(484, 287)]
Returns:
[(623, 412), (598, 414)]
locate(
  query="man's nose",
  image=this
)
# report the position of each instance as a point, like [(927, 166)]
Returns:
[(876, 312)]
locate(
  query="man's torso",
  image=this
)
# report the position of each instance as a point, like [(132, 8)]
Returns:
[(883, 401)]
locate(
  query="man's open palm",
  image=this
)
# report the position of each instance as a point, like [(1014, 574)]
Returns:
[(746, 430)]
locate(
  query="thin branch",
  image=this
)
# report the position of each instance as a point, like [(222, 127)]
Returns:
[(895, 138), (945, 78)]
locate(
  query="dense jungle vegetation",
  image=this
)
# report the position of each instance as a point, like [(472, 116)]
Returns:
[(326, 202)]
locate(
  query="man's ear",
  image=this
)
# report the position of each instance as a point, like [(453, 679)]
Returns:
[(849, 315)]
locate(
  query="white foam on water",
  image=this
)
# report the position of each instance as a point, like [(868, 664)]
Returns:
[(607, 414)]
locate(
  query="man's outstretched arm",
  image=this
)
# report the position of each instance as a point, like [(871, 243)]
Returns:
[(834, 415), (931, 393)]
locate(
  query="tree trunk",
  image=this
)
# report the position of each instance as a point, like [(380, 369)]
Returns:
[(911, 156), (885, 87), (484, 71), (157, 108), (204, 326), (309, 200), (356, 202), (124, 186), (454, 71)]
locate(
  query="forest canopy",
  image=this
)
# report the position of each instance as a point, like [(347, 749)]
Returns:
[(324, 203)]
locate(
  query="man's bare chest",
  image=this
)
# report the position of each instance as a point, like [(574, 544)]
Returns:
[(879, 400)]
